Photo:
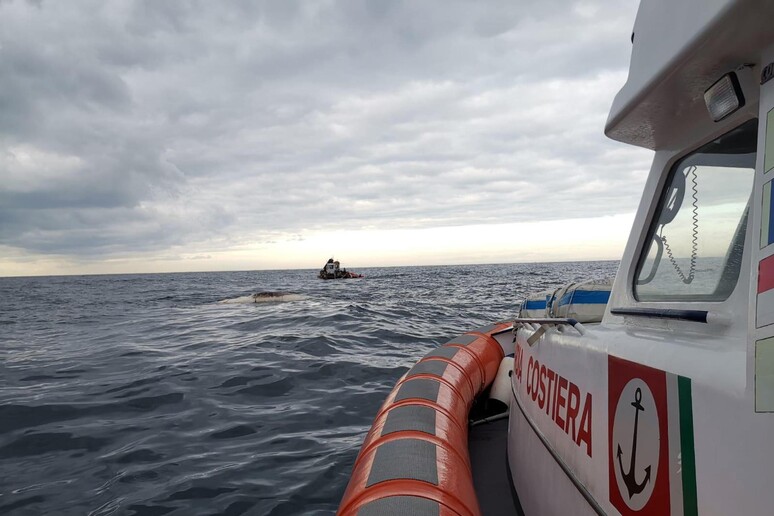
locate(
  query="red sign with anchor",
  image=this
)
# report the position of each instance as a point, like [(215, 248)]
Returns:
[(638, 447)]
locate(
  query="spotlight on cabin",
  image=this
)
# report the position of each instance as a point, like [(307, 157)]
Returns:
[(724, 97)]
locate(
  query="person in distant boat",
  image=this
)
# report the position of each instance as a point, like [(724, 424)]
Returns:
[(330, 269)]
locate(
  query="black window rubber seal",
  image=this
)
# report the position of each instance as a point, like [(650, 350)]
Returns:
[(699, 316)]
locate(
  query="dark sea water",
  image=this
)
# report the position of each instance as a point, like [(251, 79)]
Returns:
[(147, 395)]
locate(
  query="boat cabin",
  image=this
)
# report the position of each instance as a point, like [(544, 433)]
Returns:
[(667, 405)]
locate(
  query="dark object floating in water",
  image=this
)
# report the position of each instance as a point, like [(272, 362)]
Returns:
[(331, 270), (264, 296)]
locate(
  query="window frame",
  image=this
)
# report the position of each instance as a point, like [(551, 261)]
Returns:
[(651, 228)]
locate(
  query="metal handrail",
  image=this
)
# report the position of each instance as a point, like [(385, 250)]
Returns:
[(540, 325)]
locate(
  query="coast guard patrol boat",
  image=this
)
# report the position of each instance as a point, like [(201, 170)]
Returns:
[(653, 394)]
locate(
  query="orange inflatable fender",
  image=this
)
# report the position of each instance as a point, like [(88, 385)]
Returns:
[(414, 459)]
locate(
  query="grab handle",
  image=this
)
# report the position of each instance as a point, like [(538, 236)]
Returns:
[(539, 326)]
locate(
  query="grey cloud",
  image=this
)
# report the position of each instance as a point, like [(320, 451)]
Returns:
[(148, 125)]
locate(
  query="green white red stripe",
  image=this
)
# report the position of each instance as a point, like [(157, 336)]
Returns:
[(683, 489)]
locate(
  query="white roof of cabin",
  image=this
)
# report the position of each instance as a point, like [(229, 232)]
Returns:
[(680, 49)]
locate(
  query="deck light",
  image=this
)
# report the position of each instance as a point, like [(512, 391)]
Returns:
[(724, 97)]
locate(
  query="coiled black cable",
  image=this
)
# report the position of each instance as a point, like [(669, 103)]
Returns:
[(694, 237)]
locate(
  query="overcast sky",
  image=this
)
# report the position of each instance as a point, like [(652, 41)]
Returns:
[(185, 135)]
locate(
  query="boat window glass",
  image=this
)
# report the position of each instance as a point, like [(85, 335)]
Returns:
[(694, 247)]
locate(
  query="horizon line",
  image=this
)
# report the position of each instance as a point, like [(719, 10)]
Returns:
[(297, 269)]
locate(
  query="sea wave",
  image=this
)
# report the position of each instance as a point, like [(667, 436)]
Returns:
[(142, 394)]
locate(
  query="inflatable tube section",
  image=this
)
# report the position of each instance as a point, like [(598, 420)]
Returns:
[(414, 460), (585, 302), (534, 306)]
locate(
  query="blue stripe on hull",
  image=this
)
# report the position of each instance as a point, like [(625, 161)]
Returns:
[(586, 297), (771, 222)]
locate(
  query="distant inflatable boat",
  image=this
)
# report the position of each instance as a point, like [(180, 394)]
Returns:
[(332, 270)]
